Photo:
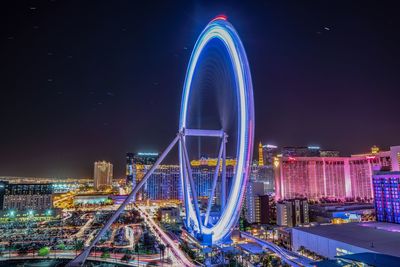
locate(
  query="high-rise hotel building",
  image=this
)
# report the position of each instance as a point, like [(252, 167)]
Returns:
[(103, 174), (329, 177)]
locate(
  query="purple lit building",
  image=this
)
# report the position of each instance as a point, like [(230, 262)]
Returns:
[(386, 194)]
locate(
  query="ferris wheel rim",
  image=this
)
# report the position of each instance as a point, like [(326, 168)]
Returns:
[(221, 29)]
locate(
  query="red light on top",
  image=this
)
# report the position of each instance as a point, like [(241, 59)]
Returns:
[(292, 158), (220, 17), (371, 157)]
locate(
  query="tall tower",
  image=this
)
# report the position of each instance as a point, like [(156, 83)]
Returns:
[(130, 172), (260, 155), (103, 174)]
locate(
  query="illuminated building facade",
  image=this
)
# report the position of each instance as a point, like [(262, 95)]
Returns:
[(311, 151), (326, 177), (163, 184), (263, 209), (24, 197), (266, 154), (395, 157), (252, 204), (168, 215), (103, 174), (265, 175), (130, 169), (387, 196), (292, 212)]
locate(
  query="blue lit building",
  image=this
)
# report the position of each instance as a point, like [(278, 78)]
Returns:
[(386, 195)]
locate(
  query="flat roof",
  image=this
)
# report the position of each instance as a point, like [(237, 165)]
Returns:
[(375, 236), (373, 259)]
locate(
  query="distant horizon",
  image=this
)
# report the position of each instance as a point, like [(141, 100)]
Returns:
[(255, 154)]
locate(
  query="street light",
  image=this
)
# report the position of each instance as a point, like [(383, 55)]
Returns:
[(11, 213)]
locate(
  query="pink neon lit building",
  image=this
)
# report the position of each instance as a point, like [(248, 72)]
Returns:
[(325, 177)]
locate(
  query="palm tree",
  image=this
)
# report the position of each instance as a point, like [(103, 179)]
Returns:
[(162, 250)]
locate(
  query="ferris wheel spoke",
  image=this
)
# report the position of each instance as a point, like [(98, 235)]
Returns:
[(191, 183), (223, 175), (214, 184)]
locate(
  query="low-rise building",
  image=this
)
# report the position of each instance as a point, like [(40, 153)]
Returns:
[(344, 212), (168, 215), (340, 239)]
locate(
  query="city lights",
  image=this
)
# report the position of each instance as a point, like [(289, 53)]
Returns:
[(98, 170)]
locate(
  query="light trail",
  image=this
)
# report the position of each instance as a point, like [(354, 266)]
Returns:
[(287, 256), (180, 256)]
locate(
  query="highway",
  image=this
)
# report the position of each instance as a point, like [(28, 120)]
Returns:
[(180, 258), (287, 256), (143, 260)]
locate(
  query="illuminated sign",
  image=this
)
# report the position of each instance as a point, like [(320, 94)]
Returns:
[(147, 154)]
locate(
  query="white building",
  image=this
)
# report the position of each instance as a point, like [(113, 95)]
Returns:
[(340, 239)]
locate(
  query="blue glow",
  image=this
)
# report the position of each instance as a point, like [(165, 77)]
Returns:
[(223, 31), (147, 154)]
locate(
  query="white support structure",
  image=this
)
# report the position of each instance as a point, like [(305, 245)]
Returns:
[(81, 258), (214, 184), (203, 133), (191, 181), (223, 176)]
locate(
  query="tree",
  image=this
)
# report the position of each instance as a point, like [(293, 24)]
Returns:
[(162, 250), (78, 245), (44, 251), (105, 255), (61, 246)]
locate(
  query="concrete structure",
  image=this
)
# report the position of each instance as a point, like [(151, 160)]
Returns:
[(335, 240), (387, 196), (103, 174), (292, 212)]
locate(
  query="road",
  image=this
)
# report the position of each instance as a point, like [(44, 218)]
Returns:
[(287, 256), (180, 258), (96, 256)]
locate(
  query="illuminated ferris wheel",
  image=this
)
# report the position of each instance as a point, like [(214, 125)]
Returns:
[(221, 30), (198, 222)]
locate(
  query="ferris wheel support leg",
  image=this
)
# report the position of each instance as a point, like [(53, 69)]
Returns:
[(81, 258), (192, 185), (214, 184), (223, 175), (185, 185)]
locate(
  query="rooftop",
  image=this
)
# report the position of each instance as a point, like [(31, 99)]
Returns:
[(373, 259), (374, 236)]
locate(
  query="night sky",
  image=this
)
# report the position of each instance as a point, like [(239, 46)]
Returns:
[(91, 80)]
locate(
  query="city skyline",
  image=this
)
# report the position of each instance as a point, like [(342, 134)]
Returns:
[(77, 93)]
